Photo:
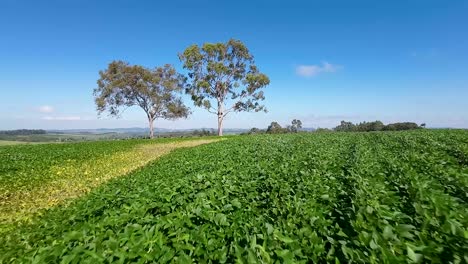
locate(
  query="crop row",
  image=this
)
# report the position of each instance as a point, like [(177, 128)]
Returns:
[(332, 197), (33, 178)]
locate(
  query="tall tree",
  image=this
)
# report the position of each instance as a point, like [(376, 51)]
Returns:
[(224, 78), (275, 128), (296, 125), (345, 126), (156, 91)]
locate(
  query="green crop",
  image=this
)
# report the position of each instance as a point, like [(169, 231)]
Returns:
[(34, 178), (385, 197)]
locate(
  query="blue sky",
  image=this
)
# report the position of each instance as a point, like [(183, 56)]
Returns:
[(327, 60)]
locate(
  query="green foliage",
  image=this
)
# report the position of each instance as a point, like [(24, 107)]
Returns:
[(156, 91), (370, 126), (345, 127), (323, 130), (290, 198), (376, 126), (224, 78), (296, 125), (204, 132), (25, 165), (402, 126), (275, 128), (35, 177), (255, 130)]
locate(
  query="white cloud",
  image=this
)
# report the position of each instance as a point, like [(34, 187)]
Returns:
[(46, 109), (314, 70), (61, 118)]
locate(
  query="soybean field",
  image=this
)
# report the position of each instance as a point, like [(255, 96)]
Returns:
[(379, 197)]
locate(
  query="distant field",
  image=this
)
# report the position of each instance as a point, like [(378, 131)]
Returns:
[(383, 197), (5, 142), (50, 137), (81, 137)]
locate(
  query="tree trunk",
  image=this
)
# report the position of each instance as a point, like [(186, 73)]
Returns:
[(220, 125), (151, 127), (220, 118)]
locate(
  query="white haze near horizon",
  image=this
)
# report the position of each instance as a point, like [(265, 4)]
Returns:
[(200, 119)]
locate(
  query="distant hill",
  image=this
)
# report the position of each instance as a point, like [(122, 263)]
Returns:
[(308, 129), (131, 130), (138, 130)]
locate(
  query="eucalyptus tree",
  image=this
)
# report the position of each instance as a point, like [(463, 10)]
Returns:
[(275, 128), (156, 91), (296, 125), (224, 78)]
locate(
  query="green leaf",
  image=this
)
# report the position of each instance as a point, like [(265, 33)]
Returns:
[(283, 238), (413, 256), (270, 228), (388, 233)]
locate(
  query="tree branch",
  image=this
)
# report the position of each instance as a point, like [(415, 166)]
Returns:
[(212, 111)]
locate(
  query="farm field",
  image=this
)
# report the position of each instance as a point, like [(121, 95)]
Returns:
[(33, 178), (51, 137), (9, 142), (384, 197)]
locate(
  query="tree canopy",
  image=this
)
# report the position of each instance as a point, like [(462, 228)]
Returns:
[(275, 128), (296, 125), (375, 126), (156, 91), (224, 78)]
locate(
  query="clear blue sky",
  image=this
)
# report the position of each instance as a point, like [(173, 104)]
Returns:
[(327, 60)]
